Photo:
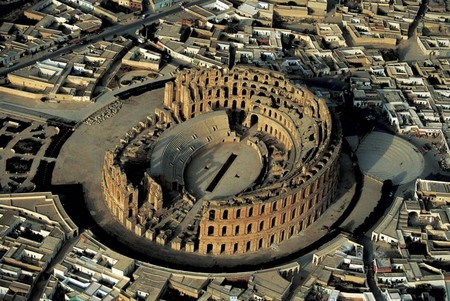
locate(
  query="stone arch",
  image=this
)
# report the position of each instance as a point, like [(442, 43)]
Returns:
[(212, 215), (210, 230), (249, 228), (273, 222), (253, 120), (224, 230), (225, 214)]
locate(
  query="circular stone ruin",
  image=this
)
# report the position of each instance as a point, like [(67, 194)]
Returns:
[(233, 162)]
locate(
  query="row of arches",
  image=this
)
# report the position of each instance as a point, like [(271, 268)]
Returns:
[(267, 208), (211, 77), (274, 129), (251, 227), (245, 246)]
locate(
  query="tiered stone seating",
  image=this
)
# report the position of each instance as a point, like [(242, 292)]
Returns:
[(384, 156), (171, 157)]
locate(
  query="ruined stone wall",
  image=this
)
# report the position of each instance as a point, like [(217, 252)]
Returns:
[(121, 196), (270, 213)]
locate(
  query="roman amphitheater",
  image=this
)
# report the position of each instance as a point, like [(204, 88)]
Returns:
[(232, 163)]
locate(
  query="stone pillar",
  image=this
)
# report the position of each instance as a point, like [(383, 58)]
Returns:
[(150, 234), (139, 230), (190, 246), (154, 192), (176, 244), (130, 223), (161, 239), (168, 94)]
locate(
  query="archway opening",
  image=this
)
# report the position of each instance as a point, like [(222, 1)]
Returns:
[(253, 120)]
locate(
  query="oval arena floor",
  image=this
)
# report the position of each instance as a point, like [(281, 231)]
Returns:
[(208, 175)]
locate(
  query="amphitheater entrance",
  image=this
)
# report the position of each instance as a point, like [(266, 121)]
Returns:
[(223, 170)]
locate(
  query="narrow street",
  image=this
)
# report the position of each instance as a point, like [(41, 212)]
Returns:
[(41, 282)]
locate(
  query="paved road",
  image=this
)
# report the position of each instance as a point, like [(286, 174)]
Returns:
[(118, 30)]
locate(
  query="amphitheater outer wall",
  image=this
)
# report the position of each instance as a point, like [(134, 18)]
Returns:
[(268, 215)]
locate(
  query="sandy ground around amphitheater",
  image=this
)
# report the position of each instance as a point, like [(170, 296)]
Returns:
[(81, 157)]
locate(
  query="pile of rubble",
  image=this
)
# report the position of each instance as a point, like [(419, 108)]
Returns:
[(105, 113)]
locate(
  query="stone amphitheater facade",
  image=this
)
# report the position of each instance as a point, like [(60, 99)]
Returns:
[(291, 130)]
